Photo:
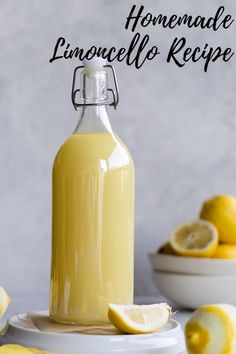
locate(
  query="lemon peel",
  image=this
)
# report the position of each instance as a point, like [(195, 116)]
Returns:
[(196, 336), (212, 329)]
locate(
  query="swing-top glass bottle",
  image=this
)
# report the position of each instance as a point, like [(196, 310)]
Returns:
[(93, 209)]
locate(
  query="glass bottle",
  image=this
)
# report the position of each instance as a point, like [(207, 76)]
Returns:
[(93, 210)]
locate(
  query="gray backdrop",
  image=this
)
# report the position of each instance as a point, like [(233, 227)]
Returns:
[(178, 123)]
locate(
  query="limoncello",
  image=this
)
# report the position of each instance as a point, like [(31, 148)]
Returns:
[(93, 213)]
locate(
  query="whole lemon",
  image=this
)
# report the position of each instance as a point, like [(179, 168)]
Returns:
[(166, 249), (225, 251), (211, 330), (221, 211)]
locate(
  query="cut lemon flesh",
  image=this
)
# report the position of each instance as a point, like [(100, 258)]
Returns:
[(15, 349), (139, 319), (4, 301), (197, 238)]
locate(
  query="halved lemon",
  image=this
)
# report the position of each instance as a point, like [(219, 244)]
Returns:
[(4, 301), (139, 319), (197, 238)]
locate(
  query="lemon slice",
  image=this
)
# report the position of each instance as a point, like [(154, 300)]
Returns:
[(138, 319), (211, 329), (197, 238), (18, 349), (4, 301)]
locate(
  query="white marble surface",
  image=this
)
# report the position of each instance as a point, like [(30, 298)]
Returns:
[(178, 123)]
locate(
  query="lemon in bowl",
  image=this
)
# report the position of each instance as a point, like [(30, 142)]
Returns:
[(221, 211), (166, 249), (225, 251), (198, 238)]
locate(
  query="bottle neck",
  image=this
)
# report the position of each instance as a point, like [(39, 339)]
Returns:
[(93, 91), (93, 119)]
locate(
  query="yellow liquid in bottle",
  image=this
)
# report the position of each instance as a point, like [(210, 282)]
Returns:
[(93, 226)]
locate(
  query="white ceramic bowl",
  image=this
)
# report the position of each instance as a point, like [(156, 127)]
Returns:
[(190, 265), (192, 291)]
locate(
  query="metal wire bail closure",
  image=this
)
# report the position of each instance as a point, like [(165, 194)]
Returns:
[(115, 94)]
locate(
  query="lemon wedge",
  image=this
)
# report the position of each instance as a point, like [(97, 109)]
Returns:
[(139, 319), (221, 211), (18, 349), (197, 238), (4, 301), (211, 329)]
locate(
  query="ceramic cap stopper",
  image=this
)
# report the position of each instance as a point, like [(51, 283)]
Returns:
[(95, 63)]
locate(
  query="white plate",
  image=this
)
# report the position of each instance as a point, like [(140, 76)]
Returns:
[(168, 341), (192, 291), (191, 265)]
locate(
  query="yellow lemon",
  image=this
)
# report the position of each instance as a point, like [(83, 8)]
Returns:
[(225, 251), (221, 211), (197, 238), (166, 249), (4, 301), (212, 330), (18, 349), (138, 319)]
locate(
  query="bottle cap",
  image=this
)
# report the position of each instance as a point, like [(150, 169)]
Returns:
[(96, 63), (94, 68)]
